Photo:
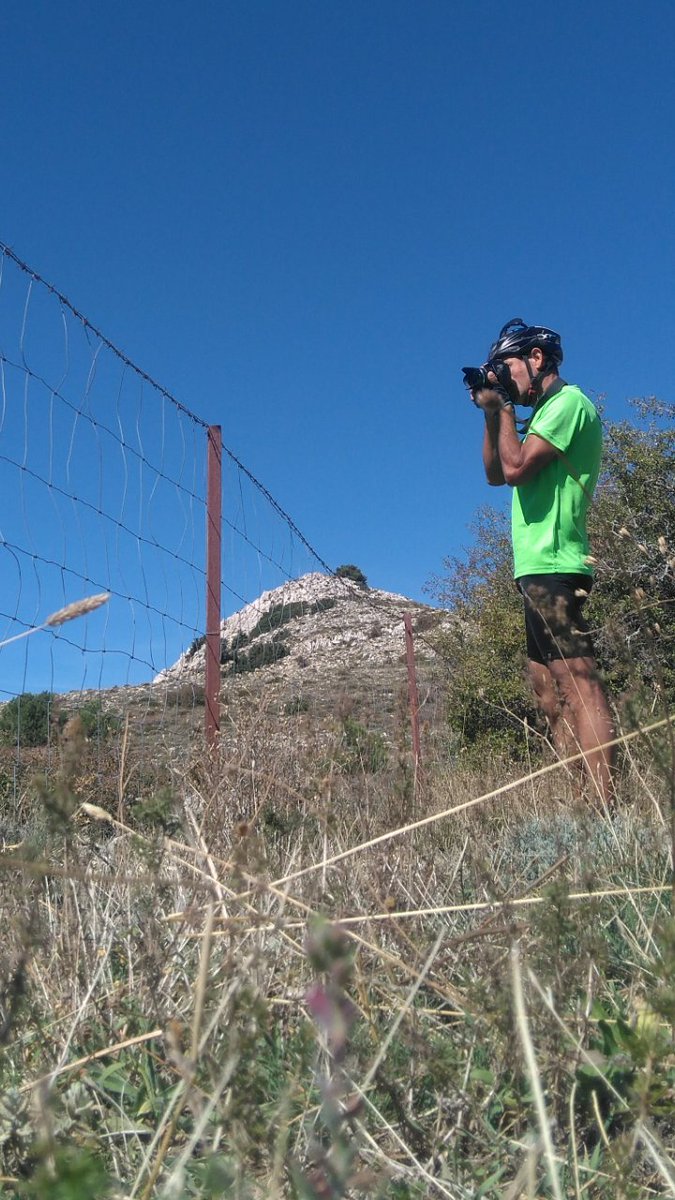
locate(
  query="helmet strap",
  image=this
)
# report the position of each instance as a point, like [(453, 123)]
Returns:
[(535, 380)]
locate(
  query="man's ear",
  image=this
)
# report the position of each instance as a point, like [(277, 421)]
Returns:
[(537, 357)]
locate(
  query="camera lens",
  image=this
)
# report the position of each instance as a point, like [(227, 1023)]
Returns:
[(475, 377)]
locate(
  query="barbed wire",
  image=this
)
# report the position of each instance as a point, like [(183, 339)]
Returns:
[(87, 324)]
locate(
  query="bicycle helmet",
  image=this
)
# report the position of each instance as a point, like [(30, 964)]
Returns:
[(516, 339)]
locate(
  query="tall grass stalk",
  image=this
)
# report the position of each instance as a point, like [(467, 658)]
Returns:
[(533, 1071), (70, 612)]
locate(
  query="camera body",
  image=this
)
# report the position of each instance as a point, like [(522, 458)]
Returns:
[(494, 375), (476, 377)]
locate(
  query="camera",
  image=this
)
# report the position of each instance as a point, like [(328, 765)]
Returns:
[(477, 377)]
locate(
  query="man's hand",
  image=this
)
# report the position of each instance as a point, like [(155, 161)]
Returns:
[(491, 400)]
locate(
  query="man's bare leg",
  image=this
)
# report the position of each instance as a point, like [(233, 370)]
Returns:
[(549, 702), (587, 714)]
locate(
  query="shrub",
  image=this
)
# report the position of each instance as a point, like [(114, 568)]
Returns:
[(349, 571), (632, 526), (363, 749), (281, 614), (229, 651), (488, 696), (260, 655), (278, 615), (25, 720), (195, 645), (96, 722), (158, 812)]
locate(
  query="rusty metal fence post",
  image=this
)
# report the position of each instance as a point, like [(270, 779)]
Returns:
[(413, 695), (213, 583)]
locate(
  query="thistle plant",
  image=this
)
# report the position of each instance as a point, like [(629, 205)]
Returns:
[(332, 1149)]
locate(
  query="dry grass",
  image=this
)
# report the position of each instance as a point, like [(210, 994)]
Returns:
[(206, 991)]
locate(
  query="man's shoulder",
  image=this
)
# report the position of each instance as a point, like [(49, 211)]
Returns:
[(573, 393), (565, 403), (565, 418)]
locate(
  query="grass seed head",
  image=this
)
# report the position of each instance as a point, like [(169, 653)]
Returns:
[(79, 608)]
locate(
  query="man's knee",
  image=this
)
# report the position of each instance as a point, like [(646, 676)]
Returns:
[(544, 689), (577, 681)]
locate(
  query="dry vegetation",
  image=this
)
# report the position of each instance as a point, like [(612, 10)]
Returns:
[(211, 985)]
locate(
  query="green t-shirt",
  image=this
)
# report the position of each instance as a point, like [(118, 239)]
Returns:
[(548, 516)]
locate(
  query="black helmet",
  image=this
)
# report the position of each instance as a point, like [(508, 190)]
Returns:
[(516, 339)]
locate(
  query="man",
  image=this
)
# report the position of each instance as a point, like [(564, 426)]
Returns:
[(553, 470)]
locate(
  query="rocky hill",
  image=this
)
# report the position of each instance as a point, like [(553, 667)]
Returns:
[(322, 644), (314, 685), (315, 626)]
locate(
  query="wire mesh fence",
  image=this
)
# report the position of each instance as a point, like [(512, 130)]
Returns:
[(105, 478)]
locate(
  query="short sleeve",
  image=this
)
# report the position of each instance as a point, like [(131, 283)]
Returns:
[(557, 421)]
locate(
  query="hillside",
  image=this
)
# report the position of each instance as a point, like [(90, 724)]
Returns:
[(308, 669), (322, 622), (317, 643)]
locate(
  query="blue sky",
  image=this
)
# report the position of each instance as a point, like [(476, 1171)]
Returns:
[(304, 218)]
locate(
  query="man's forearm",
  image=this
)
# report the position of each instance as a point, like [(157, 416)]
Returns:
[(491, 459), (509, 445), (521, 461)]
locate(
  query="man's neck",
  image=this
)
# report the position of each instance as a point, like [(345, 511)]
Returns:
[(548, 382)]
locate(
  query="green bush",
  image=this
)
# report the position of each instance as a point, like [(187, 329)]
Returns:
[(349, 571), (25, 720), (96, 721), (278, 615), (281, 614), (632, 528), (229, 651), (195, 645), (488, 696), (260, 655), (363, 750), (324, 605), (158, 811)]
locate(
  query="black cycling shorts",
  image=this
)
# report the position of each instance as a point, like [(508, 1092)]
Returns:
[(554, 623)]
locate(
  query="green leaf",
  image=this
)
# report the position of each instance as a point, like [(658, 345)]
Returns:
[(111, 1079), (482, 1075), (490, 1183)]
